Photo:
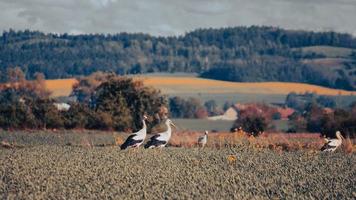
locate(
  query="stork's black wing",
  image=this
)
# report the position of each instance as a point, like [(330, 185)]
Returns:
[(130, 142), (154, 142), (327, 146)]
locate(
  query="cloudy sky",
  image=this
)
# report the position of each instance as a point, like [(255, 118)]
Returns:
[(174, 17)]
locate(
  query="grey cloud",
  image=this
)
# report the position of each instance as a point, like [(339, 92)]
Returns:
[(171, 17)]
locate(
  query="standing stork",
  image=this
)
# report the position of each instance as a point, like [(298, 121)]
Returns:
[(332, 144), (136, 139), (202, 140), (161, 139)]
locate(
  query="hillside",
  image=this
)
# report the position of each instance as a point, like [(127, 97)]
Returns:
[(188, 85), (240, 54)]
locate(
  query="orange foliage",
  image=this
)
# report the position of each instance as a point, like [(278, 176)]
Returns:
[(18, 81)]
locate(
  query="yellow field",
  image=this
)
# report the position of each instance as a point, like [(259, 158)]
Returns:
[(181, 85), (60, 87)]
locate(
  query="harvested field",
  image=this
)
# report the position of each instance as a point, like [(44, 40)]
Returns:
[(185, 85), (55, 170)]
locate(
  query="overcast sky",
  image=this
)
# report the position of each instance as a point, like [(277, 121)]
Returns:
[(174, 17)]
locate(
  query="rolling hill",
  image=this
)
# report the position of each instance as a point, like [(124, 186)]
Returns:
[(239, 54)]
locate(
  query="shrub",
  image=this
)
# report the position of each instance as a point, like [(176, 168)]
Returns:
[(186, 108), (253, 124), (212, 108), (86, 86), (21, 100), (17, 108), (77, 116), (47, 114), (339, 120), (201, 113), (99, 120)]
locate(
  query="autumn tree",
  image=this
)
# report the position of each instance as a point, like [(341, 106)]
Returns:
[(252, 120), (213, 108), (86, 86), (339, 120), (126, 100), (26, 104), (254, 124), (187, 108)]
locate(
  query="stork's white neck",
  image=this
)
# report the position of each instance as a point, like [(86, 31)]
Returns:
[(144, 124), (143, 130), (338, 136), (169, 129)]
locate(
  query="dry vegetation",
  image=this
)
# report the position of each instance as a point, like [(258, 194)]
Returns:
[(74, 165), (183, 85), (278, 142)]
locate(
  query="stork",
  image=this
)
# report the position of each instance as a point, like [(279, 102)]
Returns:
[(202, 140), (332, 144), (136, 139), (161, 139)]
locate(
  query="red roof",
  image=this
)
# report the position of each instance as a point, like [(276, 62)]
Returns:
[(285, 112)]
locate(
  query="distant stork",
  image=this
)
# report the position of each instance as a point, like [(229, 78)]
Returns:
[(202, 140), (332, 144), (161, 139), (136, 139)]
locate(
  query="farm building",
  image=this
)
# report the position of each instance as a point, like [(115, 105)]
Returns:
[(232, 113), (62, 106), (229, 115)]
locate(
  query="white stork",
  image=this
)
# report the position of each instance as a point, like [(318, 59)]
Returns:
[(136, 139), (332, 144), (202, 140), (161, 139)]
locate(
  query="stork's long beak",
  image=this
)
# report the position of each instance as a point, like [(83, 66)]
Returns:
[(173, 125)]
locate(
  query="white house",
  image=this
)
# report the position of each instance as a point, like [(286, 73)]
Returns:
[(62, 106)]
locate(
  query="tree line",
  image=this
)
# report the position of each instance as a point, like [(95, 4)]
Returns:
[(107, 101), (103, 101), (236, 54), (117, 103)]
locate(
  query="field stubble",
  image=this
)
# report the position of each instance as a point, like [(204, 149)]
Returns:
[(173, 173), (100, 170)]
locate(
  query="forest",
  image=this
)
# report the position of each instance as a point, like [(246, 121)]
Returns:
[(242, 54)]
